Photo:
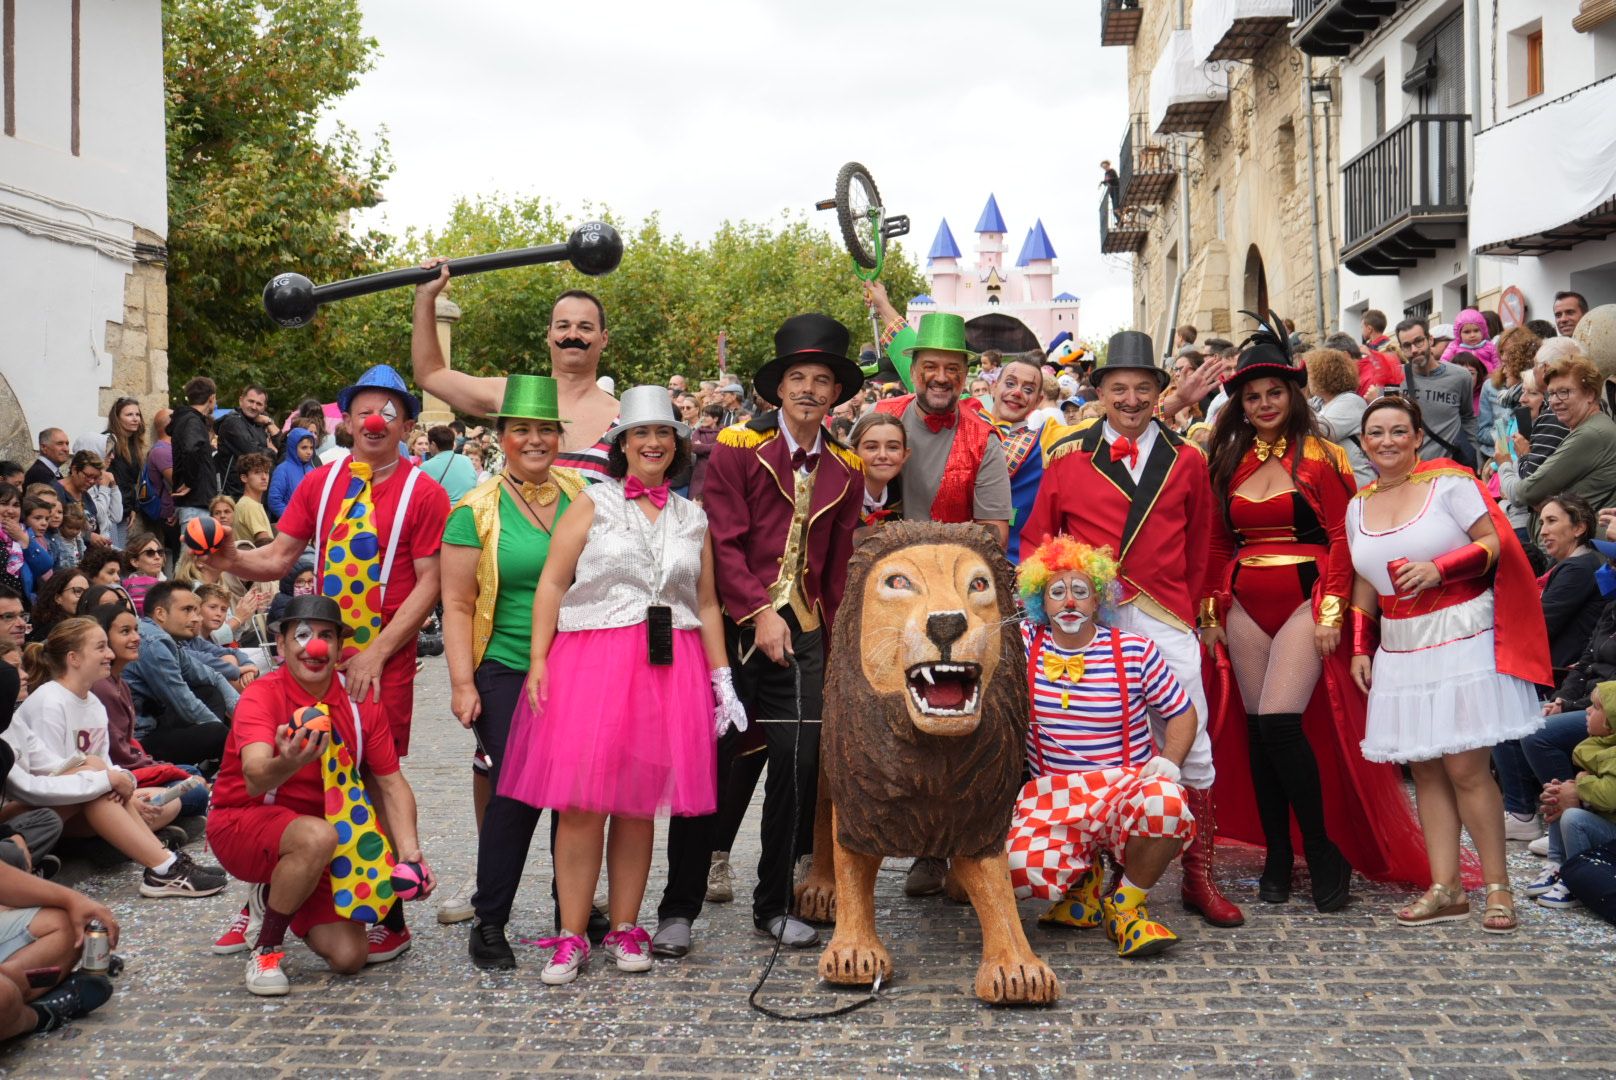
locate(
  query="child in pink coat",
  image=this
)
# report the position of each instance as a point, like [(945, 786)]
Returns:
[(1471, 330)]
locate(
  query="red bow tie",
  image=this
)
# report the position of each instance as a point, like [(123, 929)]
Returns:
[(802, 459), (1124, 447), (936, 422), (634, 489)]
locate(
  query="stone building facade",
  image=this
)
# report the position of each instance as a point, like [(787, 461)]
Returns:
[(1220, 111)]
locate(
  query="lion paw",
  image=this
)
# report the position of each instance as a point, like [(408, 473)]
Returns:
[(855, 964), (1028, 982), (816, 900)]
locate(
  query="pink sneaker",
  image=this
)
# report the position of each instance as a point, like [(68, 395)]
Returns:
[(630, 946), (387, 944)]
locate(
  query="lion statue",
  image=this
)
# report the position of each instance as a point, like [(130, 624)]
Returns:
[(925, 731)]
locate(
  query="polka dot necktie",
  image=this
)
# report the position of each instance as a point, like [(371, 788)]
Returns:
[(353, 569), (362, 868)]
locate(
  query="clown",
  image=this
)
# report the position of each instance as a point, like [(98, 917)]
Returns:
[(291, 815), (1100, 783)]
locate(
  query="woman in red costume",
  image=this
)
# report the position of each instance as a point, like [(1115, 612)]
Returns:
[(1278, 583), (1446, 605)]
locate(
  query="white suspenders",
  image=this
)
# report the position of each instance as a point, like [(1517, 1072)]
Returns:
[(398, 521)]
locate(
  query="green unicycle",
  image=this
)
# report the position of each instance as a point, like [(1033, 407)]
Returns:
[(866, 228)]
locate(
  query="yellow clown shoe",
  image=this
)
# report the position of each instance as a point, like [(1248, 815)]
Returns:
[(1128, 923), (1080, 908)]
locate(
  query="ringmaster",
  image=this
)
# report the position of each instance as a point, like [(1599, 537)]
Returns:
[(782, 499), (1129, 483)]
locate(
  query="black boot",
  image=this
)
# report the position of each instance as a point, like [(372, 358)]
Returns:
[(488, 947), (1274, 811), (1298, 770)]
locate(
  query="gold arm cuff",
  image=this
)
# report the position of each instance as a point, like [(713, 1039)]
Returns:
[(1208, 615), (1331, 611)]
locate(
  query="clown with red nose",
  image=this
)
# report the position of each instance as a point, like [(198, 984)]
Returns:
[(376, 523)]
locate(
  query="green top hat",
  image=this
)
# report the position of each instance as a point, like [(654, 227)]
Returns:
[(530, 397), (940, 331)]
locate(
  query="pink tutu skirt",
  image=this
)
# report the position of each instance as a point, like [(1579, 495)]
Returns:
[(617, 735)]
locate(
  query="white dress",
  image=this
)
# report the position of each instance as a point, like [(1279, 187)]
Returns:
[(1436, 688)]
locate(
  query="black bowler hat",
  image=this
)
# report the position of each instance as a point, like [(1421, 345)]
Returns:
[(1266, 354), (1129, 350), (809, 339), (310, 608)]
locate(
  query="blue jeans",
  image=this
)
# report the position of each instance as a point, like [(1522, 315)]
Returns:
[(1515, 778), (182, 514), (1548, 753), (1582, 830)]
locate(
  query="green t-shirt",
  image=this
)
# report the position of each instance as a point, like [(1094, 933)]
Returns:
[(522, 550)]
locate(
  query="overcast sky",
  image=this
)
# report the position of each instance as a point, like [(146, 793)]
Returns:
[(733, 109)]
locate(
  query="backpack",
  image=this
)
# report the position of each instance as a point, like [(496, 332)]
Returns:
[(149, 494)]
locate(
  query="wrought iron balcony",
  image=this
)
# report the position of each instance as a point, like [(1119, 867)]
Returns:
[(1404, 197), (1122, 233), (1336, 27), (1119, 22), (1145, 167)]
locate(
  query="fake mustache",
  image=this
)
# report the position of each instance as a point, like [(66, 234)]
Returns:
[(572, 343), (809, 399)]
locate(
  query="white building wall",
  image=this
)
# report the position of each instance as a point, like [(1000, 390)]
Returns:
[(67, 223)]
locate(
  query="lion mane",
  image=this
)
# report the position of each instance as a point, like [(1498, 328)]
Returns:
[(898, 791)]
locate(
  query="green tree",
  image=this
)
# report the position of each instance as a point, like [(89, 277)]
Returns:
[(253, 189)]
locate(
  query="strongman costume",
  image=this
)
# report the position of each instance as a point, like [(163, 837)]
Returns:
[(1150, 500), (781, 519)]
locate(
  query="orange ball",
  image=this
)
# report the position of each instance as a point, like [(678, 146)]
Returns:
[(202, 535)]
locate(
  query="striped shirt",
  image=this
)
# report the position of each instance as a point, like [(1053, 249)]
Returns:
[(1085, 732), (590, 462)]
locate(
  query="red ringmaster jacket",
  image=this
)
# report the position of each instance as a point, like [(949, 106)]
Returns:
[(748, 494), (1158, 528)]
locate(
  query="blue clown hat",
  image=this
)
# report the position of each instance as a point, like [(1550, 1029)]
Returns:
[(380, 377)]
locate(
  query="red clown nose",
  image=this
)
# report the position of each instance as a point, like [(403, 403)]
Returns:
[(318, 649), (374, 424)]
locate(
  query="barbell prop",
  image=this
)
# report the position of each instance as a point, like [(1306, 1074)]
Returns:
[(594, 248)]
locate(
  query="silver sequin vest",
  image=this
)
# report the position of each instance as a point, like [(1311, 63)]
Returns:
[(617, 576)]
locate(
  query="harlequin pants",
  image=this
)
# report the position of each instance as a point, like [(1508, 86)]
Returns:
[(1062, 820)]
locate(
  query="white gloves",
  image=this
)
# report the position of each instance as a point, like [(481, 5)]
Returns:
[(1160, 766), (727, 711)]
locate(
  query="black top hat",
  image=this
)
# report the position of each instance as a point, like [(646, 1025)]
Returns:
[(1265, 354), (312, 608), (809, 339), (1129, 350)]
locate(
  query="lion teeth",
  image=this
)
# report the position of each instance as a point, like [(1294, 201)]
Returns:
[(925, 673)]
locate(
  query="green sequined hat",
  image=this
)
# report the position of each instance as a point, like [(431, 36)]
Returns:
[(530, 397)]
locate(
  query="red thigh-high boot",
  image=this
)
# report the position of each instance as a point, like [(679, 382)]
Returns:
[(1201, 895)]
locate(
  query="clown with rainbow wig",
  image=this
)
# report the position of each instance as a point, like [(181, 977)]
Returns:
[(1100, 785)]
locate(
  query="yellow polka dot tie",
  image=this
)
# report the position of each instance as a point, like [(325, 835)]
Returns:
[(353, 568)]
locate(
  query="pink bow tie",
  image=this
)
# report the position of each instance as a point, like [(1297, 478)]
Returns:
[(658, 495)]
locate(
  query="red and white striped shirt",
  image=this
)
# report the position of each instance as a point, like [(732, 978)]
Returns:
[(1077, 726)]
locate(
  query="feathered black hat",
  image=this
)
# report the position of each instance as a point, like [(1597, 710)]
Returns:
[(1265, 354)]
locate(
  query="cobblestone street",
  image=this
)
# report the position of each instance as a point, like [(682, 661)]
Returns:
[(1292, 993)]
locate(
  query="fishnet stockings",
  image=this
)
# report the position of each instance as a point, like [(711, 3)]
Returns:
[(1278, 674)]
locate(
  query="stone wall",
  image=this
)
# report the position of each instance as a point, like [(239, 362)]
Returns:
[(139, 345), (1255, 154)]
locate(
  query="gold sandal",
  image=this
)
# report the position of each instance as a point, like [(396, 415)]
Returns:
[(1504, 914), (1440, 904)]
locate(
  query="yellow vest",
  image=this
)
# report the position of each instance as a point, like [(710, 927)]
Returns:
[(484, 502)]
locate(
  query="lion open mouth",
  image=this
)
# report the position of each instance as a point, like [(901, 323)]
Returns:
[(945, 689)]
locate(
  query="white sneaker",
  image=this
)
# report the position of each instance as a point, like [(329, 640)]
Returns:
[(1523, 829), (630, 946), (720, 879), (1559, 897), (264, 975), (457, 908), (1544, 882), (571, 953), (1540, 846)]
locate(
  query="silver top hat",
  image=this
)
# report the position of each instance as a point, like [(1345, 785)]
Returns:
[(643, 405)]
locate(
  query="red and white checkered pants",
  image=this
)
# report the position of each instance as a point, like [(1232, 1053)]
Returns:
[(1063, 819)]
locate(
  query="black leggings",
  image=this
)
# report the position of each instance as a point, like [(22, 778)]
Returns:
[(508, 824)]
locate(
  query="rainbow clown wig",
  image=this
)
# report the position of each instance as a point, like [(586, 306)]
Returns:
[(1060, 555)]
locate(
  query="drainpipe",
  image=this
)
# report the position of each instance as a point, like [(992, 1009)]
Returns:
[(1472, 18), (1334, 291), (1313, 198)]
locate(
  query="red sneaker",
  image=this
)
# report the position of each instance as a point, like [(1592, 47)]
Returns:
[(234, 940), (387, 944)]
